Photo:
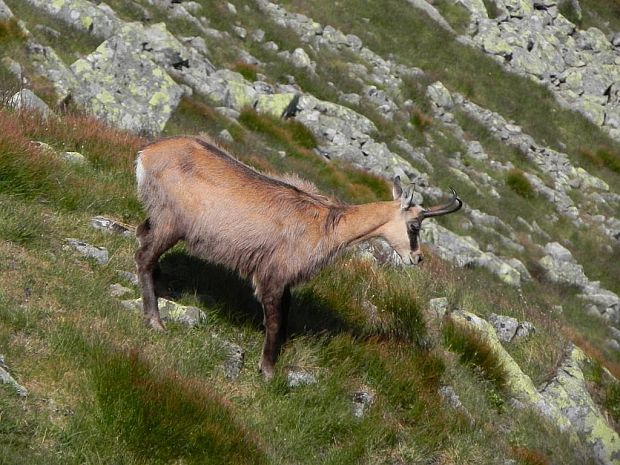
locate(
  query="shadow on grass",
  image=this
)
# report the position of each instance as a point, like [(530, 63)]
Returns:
[(182, 274)]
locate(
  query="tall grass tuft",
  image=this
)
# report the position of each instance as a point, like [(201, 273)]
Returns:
[(474, 351), (161, 418), (516, 180), (247, 70)]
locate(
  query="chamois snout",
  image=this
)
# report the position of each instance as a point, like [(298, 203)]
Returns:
[(414, 258)]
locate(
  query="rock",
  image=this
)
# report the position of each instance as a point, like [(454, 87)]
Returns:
[(568, 391), (15, 69), (297, 377), (83, 15), (464, 251), (171, 311), (362, 401), (518, 384), (505, 326), (380, 251), (276, 104), (118, 290), (46, 62), (5, 11), (613, 344), (25, 99), (524, 330), (74, 157), (300, 59), (560, 266), (109, 225), (258, 35), (232, 9), (451, 398), (241, 32), (234, 359), (6, 378), (128, 276), (99, 254), (432, 12), (226, 136), (125, 88), (439, 95), (438, 307)]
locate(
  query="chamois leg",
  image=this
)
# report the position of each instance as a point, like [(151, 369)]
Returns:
[(286, 304), (273, 310), (154, 242)]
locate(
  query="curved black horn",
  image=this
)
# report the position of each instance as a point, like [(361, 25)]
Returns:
[(453, 205)]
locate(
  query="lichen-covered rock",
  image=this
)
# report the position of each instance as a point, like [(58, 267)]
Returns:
[(125, 88), (183, 61), (274, 104), (518, 384), (171, 311), (568, 391), (98, 20), (47, 63)]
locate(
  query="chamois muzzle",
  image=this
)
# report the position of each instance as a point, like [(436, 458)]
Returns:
[(452, 206)]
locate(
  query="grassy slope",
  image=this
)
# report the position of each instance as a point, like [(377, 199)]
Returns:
[(90, 366)]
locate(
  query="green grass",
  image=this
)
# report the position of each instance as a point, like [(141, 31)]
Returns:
[(516, 180)]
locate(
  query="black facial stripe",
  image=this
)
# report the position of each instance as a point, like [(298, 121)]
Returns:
[(413, 239)]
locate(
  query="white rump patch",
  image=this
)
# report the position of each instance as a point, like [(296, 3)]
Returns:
[(140, 174)]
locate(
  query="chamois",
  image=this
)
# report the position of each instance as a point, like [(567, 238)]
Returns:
[(276, 232)]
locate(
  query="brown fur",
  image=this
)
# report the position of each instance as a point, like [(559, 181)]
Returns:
[(275, 231)]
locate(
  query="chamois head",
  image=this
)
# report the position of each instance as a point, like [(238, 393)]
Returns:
[(403, 231)]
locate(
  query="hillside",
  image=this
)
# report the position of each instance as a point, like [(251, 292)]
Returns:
[(503, 347)]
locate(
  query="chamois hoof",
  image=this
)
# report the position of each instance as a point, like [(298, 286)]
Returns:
[(156, 324), (267, 371)]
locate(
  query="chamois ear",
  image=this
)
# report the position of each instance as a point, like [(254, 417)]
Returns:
[(397, 190)]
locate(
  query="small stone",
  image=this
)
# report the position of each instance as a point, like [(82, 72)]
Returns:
[(226, 136), (240, 32), (298, 377), (99, 254), (613, 344), (232, 9), (171, 311), (438, 306), (73, 157), (524, 330), (234, 360), (257, 35), (505, 326), (129, 277), (118, 290), (109, 225), (362, 401)]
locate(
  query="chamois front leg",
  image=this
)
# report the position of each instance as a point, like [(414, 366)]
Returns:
[(275, 308), (153, 243)]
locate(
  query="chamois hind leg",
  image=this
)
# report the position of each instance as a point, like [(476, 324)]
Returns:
[(286, 304), (272, 301), (154, 241)]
